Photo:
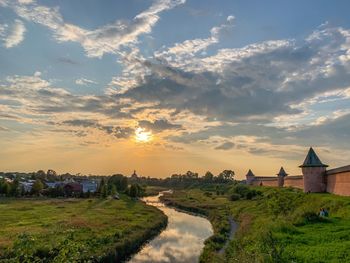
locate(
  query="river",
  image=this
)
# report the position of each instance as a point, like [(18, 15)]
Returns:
[(181, 242)]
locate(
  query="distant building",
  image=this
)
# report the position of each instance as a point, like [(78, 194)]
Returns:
[(73, 188), (54, 184), (89, 186), (27, 186), (315, 177), (134, 175)]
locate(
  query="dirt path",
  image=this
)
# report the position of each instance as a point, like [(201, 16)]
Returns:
[(233, 229)]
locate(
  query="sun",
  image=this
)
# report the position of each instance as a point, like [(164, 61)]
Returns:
[(141, 135)]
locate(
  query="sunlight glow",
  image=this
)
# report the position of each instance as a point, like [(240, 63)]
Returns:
[(141, 135)]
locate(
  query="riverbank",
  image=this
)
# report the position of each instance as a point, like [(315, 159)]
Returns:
[(211, 206), (275, 225), (102, 230), (181, 241)]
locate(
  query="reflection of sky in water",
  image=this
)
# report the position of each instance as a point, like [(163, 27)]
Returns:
[(182, 240)]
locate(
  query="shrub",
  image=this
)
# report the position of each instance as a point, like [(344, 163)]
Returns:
[(234, 197), (240, 189), (208, 194)]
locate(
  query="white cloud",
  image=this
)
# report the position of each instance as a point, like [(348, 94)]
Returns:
[(12, 35), (84, 82), (189, 48), (25, 1), (106, 39)]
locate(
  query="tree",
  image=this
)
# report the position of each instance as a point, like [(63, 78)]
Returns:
[(208, 176), (120, 182), (112, 190), (227, 174), (37, 187), (15, 189), (104, 191), (134, 190), (41, 175), (101, 186), (51, 175), (5, 188)]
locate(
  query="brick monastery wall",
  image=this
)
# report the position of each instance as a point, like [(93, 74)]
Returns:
[(294, 181), (265, 181), (338, 181)]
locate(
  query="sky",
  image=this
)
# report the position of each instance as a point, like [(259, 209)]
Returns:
[(166, 86)]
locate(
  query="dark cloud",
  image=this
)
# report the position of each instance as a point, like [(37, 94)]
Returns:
[(225, 146), (159, 125), (3, 129), (116, 131), (69, 61), (260, 81)]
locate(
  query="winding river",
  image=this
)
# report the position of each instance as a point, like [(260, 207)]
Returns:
[(181, 242)]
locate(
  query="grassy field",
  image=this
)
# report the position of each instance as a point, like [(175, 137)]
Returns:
[(277, 225), (62, 230)]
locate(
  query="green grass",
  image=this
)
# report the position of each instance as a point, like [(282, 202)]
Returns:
[(280, 225), (101, 229)]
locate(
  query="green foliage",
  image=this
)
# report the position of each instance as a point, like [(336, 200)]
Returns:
[(208, 177), (136, 190), (227, 174), (112, 190), (234, 197), (37, 187), (75, 230), (119, 181), (242, 191), (283, 201), (275, 225)]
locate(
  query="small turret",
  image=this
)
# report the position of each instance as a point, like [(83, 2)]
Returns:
[(134, 175), (250, 177), (314, 173), (281, 174)]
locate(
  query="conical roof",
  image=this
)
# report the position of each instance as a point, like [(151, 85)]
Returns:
[(250, 173), (282, 172), (312, 160)]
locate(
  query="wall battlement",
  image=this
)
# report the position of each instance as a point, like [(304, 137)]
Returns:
[(315, 177)]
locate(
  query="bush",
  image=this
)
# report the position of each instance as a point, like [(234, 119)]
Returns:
[(240, 189), (244, 191), (234, 197), (208, 194)]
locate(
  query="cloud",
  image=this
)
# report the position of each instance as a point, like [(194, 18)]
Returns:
[(116, 131), (12, 35), (109, 38), (84, 82), (158, 125), (4, 129), (254, 83), (67, 61), (248, 91), (225, 146), (189, 48)]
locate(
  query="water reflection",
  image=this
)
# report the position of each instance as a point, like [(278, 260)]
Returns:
[(181, 241)]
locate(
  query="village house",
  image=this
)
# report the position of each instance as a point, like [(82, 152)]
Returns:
[(89, 186)]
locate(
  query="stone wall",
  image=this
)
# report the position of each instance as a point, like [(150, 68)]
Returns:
[(338, 181), (265, 181), (335, 181), (296, 181)]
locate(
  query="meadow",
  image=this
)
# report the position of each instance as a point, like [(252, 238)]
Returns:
[(275, 225), (75, 230)]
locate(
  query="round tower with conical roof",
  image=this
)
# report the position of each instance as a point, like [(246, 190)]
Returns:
[(313, 173), (281, 174), (250, 177)]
